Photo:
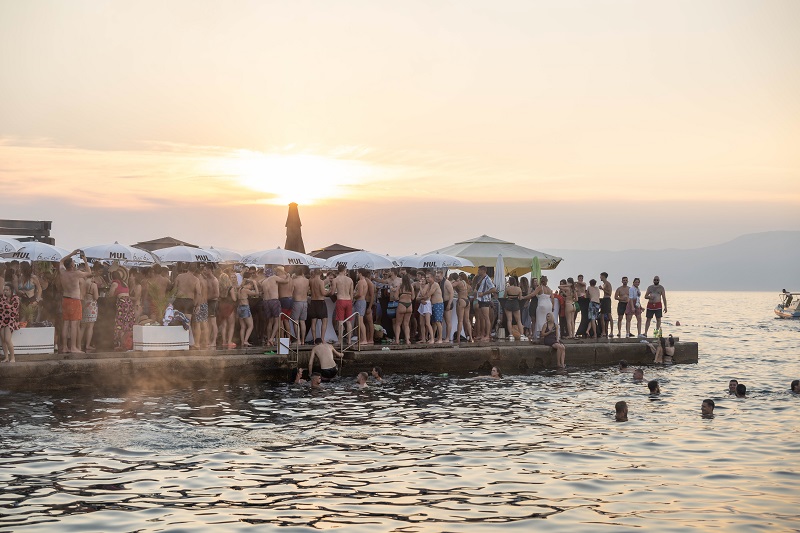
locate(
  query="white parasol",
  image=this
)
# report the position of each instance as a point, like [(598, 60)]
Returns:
[(435, 260), (361, 259), (185, 254), (36, 251), (9, 245), (119, 252), (484, 250), (225, 255), (280, 256)]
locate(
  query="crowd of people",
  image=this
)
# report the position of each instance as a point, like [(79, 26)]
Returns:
[(400, 305)]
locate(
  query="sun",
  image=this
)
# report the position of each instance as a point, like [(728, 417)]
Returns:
[(302, 178)]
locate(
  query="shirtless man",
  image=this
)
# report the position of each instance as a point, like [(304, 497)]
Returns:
[(368, 322), (484, 289), (654, 296), (300, 288), (394, 281), (605, 306), (447, 295), (246, 290), (594, 308), (317, 309), (200, 315), (271, 304), (360, 304), (212, 289), (187, 290), (72, 310), (583, 303), (461, 287), (324, 352), (621, 295), (285, 291), (437, 304), (342, 287)]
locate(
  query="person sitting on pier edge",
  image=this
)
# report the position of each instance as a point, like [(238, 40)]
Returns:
[(795, 387), (324, 352), (707, 409), (621, 409), (653, 386), (741, 391)]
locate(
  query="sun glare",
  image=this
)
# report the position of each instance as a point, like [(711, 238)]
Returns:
[(302, 178)]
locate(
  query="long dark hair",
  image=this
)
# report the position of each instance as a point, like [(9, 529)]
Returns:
[(405, 285)]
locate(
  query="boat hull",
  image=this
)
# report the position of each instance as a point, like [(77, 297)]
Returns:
[(786, 313)]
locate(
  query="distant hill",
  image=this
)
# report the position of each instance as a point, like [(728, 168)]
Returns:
[(767, 261)]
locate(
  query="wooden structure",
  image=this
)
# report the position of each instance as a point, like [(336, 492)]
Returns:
[(28, 230), (163, 242)]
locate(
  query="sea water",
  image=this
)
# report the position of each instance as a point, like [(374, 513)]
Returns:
[(431, 453)]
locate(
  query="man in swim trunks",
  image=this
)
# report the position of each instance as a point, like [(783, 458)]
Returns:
[(634, 308), (621, 295), (368, 322), (271, 303), (437, 305), (324, 352), (342, 287), (300, 287), (360, 304), (187, 290), (317, 308), (72, 311), (654, 296), (448, 295), (285, 291), (605, 306)]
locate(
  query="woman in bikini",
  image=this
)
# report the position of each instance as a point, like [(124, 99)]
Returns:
[(29, 289), (405, 298), (460, 290), (512, 307)]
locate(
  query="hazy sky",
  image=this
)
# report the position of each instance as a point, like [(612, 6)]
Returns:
[(401, 126)]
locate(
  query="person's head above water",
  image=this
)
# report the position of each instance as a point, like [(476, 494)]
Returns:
[(795, 386), (496, 373), (653, 386), (316, 380), (741, 390), (621, 409), (377, 372), (362, 378), (638, 374), (732, 386), (707, 408)]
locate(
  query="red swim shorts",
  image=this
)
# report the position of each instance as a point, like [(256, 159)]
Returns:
[(344, 308), (71, 309)]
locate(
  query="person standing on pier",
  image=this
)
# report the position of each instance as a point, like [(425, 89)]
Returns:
[(342, 287), (621, 295), (606, 319), (9, 316), (655, 295), (583, 304), (72, 310), (634, 308)]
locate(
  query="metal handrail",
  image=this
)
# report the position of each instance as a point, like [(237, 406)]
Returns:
[(356, 330), (295, 361)]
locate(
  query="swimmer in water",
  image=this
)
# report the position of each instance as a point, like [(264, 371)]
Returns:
[(707, 409), (621, 411)]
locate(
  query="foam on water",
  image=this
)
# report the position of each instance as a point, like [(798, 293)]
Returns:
[(430, 453)]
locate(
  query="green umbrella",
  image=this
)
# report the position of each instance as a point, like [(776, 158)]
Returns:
[(536, 270)]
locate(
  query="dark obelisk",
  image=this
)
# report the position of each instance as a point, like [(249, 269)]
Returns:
[(294, 235)]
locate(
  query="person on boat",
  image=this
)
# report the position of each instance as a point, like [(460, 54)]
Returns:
[(787, 299)]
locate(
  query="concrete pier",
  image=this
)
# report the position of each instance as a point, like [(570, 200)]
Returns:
[(123, 371)]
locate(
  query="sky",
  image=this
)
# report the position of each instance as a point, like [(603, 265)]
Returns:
[(401, 127)]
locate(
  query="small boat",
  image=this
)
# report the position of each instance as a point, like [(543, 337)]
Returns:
[(789, 305)]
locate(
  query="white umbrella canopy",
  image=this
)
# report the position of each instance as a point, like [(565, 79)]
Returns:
[(225, 255), (362, 259), (434, 260), (118, 252), (280, 256), (500, 276), (36, 251), (484, 250), (185, 254), (8, 244)]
